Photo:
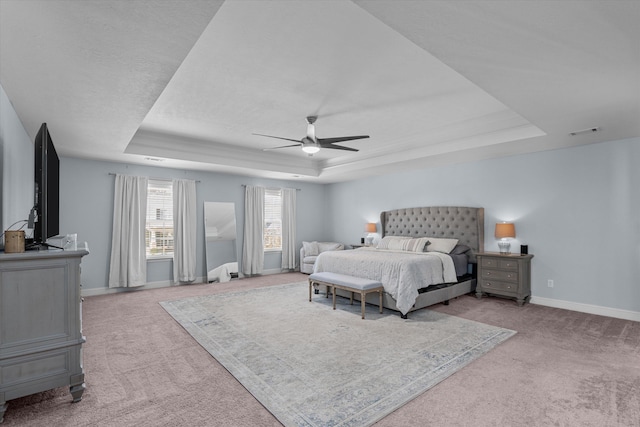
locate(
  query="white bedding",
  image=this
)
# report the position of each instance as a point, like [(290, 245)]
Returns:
[(222, 273), (401, 273)]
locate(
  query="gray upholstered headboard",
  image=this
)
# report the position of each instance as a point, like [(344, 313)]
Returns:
[(454, 222)]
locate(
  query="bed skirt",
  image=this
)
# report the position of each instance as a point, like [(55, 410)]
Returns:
[(424, 299)]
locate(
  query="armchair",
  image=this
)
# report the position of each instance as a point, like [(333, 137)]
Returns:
[(310, 251)]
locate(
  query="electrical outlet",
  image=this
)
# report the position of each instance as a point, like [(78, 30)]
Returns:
[(550, 283)]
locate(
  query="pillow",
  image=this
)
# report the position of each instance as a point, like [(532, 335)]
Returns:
[(386, 240), (403, 243), (409, 245), (437, 244), (328, 246), (460, 249), (310, 248)]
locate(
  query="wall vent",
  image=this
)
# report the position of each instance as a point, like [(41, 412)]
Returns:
[(584, 131)]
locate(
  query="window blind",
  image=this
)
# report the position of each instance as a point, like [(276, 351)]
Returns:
[(159, 227), (272, 219)]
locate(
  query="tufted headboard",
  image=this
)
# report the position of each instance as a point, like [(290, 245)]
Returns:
[(453, 222)]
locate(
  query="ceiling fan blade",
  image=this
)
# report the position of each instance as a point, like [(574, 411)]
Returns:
[(282, 146), (339, 147), (277, 137), (324, 141)]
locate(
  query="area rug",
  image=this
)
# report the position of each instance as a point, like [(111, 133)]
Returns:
[(310, 365)]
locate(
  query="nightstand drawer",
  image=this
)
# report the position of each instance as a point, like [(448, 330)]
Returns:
[(502, 264), (493, 285), (508, 265), (508, 276)]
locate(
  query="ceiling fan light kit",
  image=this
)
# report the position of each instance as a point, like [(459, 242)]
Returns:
[(310, 147), (310, 144)]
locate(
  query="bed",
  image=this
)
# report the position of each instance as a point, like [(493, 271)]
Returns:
[(414, 280)]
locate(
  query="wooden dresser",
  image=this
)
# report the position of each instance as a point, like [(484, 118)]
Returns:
[(507, 275), (40, 324)]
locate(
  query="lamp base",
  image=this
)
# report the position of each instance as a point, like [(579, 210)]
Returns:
[(504, 247)]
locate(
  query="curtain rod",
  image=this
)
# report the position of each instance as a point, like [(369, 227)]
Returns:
[(271, 188), (150, 177)]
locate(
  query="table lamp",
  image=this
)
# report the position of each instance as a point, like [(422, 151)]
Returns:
[(504, 232), (371, 229)]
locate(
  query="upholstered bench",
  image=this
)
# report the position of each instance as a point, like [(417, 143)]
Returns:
[(347, 283)]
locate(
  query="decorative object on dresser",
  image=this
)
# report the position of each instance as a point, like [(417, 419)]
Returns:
[(504, 232), (505, 275), (310, 251), (371, 230), (40, 324)]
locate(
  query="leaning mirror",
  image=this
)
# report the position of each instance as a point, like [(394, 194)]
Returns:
[(220, 240)]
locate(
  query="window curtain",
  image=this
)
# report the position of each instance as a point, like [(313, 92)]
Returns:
[(128, 266), (288, 228), (184, 230), (253, 245)]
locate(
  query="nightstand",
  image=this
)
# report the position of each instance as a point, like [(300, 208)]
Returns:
[(507, 275)]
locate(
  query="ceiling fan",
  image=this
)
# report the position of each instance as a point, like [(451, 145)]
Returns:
[(310, 144)]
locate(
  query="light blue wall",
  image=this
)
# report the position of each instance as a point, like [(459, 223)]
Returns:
[(86, 208), (578, 209), (16, 161), (86, 201)]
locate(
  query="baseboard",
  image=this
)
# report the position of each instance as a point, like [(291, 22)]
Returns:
[(155, 285), (587, 308), (149, 285)]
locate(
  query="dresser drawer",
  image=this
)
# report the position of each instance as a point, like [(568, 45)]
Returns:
[(507, 276), (495, 285)]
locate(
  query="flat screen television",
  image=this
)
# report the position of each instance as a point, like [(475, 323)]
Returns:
[(47, 188)]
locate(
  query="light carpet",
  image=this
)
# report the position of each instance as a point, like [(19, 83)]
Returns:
[(312, 366)]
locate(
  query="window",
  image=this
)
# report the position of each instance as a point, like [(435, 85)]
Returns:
[(159, 227), (272, 220)]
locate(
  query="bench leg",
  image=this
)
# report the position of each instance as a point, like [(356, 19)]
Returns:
[(380, 293), (310, 287), (363, 303), (334, 296)]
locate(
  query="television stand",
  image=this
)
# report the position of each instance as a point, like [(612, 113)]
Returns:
[(40, 324)]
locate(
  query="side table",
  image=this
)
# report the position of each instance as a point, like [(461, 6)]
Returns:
[(507, 275)]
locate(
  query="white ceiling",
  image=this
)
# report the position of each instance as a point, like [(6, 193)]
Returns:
[(431, 82)]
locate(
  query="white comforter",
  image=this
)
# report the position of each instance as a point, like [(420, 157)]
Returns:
[(401, 273), (222, 273)]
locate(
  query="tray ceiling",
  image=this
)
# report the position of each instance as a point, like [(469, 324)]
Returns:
[(186, 84)]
